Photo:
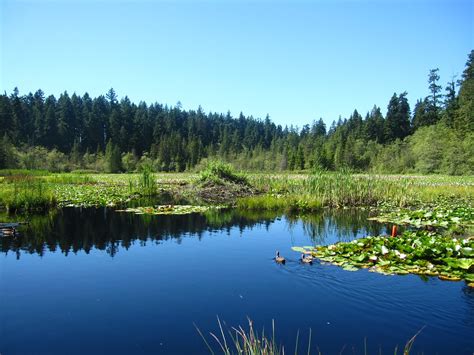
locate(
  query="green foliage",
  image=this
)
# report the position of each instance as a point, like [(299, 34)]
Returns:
[(218, 172), (147, 185), (113, 158), (25, 193), (69, 133), (451, 217), (420, 252), (238, 340), (168, 210)]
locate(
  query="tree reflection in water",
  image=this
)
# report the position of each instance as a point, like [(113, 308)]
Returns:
[(73, 229)]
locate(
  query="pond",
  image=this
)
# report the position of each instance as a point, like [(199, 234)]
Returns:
[(97, 281)]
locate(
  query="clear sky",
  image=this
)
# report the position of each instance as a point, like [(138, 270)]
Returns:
[(295, 60)]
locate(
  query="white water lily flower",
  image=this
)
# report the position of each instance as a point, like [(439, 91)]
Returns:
[(402, 256), (449, 249), (360, 244), (373, 258), (457, 247), (384, 250), (430, 266)]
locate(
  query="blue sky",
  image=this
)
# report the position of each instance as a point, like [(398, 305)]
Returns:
[(295, 60)]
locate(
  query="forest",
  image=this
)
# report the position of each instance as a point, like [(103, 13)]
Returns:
[(108, 134)]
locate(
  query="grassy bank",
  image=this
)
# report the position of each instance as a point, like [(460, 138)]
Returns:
[(341, 189), (25, 193), (283, 192)]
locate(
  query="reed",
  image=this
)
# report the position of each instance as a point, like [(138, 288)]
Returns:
[(25, 193), (328, 189), (147, 185), (238, 340)]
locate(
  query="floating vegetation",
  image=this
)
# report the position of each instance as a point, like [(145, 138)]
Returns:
[(454, 218), (92, 195), (415, 252), (169, 209)]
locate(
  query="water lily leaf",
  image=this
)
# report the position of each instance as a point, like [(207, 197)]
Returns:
[(350, 268), (360, 257), (449, 278), (467, 251), (298, 249), (465, 263)]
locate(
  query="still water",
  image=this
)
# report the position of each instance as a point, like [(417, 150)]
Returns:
[(96, 281)]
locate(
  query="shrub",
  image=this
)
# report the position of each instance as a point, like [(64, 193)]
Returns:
[(219, 172)]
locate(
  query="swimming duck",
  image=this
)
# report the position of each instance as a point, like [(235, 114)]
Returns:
[(8, 232), (279, 259), (306, 260)]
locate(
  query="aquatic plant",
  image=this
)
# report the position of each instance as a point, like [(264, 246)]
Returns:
[(147, 185), (417, 252), (280, 202), (453, 218), (25, 193), (238, 340), (248, 342), (169, 209)]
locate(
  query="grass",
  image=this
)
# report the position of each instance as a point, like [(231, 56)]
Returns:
[(282, 192), (342, 189), (238, 340), (219, 173), (25, 193)]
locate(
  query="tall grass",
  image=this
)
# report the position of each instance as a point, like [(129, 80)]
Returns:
[(325, 189), (25, 193), (238, 340), (147, 183), (241, 341)]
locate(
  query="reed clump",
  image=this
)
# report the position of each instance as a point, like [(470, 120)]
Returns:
[(238, 340), (147, 185), (25, 193), (327, 189)]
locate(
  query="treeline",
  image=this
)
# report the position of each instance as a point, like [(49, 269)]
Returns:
[(108, 134)]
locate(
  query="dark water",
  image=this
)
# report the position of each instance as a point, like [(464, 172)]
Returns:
[(96, 281)]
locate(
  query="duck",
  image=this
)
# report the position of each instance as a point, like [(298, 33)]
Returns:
[(279, 259), (8, 232), (306, 260)]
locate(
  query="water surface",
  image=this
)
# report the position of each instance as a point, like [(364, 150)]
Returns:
[(97, 281)]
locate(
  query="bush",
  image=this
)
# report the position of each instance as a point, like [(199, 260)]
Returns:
[(219, 172)]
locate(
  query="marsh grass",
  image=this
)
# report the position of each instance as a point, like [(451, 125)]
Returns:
[(23, 172), (238, 340), (279, 202), (341, 189), (147, 185), (70, 179), (25, 193), (241, 341)]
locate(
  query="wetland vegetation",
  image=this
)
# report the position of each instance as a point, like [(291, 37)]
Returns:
[(411, 171)]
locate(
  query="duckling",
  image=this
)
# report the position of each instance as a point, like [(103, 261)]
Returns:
[(306, 260), (279, 259)]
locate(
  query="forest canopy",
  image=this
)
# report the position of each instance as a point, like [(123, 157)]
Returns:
[(106, 133)]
